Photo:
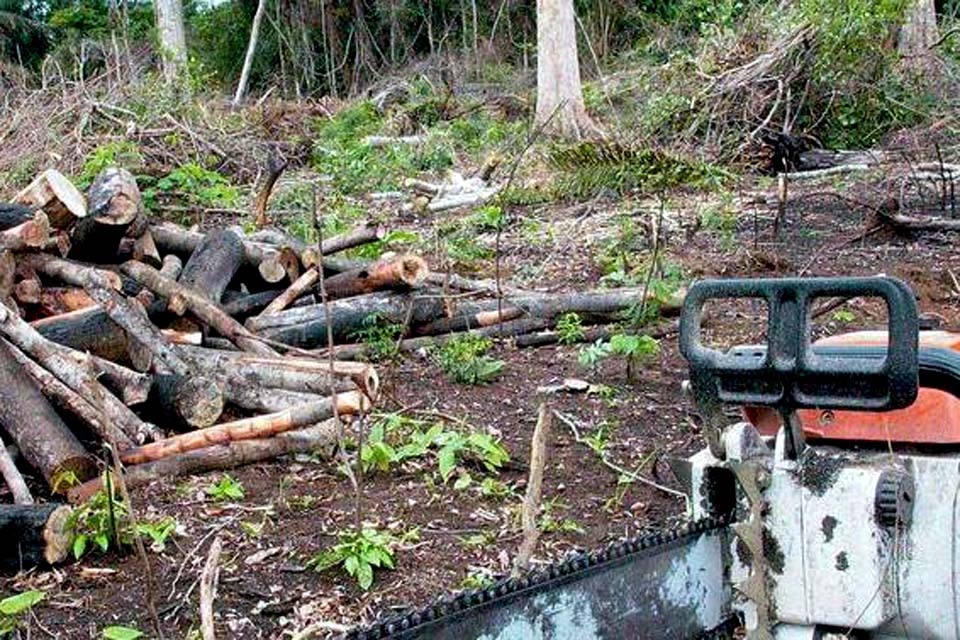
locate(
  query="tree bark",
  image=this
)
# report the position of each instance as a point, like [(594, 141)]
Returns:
[(46, 443), (251, 49), (392, 273), (917, 36), (213, 264), (114, 202), (191, 402), (299, 287), (319, 438), (33, 535), (356, 237), (173, 45), (247, 429), (70, 401), (274, 168), (560, 105), (56, 196), (14, 479), (55, 301), (76, 274), (92, 331), (205, 310)]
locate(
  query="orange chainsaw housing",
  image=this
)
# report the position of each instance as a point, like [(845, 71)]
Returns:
[(933, 418)]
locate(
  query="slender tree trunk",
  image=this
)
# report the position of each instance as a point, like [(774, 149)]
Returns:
[(173, 44), (559, 93), (917, 35), (251, 48)]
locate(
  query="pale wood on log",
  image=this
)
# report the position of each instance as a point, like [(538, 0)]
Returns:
[(69, 400), (263, 257), (113, 202), (14, 479), (300, 286), (467, 321), (213, 264), (356, 237), (201, 307), (403, 271), (60, 200), (57, 300), (77, 371), (34, 535), (45, 442), (248, 428), (320, 438), (32, 234), (191, 401)]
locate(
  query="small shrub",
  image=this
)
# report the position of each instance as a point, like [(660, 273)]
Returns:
[(464, 360), (380, 336), (193, 185), (226, 489), (124, 154), (360, 554), (570, 329)]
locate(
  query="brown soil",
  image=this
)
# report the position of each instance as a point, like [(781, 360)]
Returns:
[(303, 504)]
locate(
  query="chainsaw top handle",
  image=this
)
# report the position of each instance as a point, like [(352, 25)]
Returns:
[(788, 375)]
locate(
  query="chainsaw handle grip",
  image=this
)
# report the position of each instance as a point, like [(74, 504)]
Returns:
[(788, 374)]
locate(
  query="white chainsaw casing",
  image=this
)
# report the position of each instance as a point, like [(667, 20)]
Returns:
[(830, 564)]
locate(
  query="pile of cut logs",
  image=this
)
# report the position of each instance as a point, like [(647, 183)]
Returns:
[(184, 351)]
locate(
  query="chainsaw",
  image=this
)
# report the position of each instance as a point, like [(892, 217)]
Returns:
[(829, 511)]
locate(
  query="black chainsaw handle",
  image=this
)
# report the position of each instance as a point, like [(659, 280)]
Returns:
[(790, 375)]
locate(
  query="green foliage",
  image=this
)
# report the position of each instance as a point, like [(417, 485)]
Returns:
[(118, 632), (570, 329), (495, 489), (591, 355), (359, 554), (552, 522), (633, 349), (380, 336), (844, 316), (123, 153), (478, 540), (477, 580), (599, 440), (12, 608), (226, 489), (394, 439), (103, 521), (721, 219), (193, 185), (588, 167), (463, 359)]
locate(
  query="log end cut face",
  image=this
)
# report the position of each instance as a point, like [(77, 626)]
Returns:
[(56, 535)]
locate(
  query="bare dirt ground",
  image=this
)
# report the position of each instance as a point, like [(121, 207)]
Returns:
[(294, 508)]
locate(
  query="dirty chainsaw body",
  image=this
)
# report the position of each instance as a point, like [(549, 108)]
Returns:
[(832, 510)]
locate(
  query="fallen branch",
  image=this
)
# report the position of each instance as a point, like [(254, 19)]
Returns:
[(530, 510), (208, 588), (13, 478)]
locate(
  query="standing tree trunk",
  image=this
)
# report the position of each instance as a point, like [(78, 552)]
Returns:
[(251, 49), (173, 44), (917, 35), (559, 95)]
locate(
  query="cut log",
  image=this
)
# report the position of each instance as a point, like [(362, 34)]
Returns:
[(70, 401), (34, 535), (114, 202), (902, 222), (241, 393), (264, 258), (294, 374), (92, 331), (321, 438), (356, 237), (171, 267), (14, 479), (244, 305), (404, 271), (133, 318), (467, 321), (307, 326), (45, 442), (32, 234), (77, 371), (213, 264), (299, 287), (201, 307), (70, 272), (248, 428), (130, 386), (145, 250), (193, 401), (56, 196)]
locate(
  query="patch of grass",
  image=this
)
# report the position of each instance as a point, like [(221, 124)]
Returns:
[(463, 359)]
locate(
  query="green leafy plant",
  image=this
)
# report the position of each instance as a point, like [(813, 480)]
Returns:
[(119, 632), (495, 489), (226, 489), (158, 532), (463, 359), (592, 355), (360, 554), (844, 316), (194, 185), (380, 336), (570, 329), (599, 439), (100, 522), (480, 579), (552, 522), (634, 349), (478, 540), (122, 153), (12, 609)]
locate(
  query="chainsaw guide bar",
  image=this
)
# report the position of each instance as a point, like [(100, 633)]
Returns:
[(543, 603)]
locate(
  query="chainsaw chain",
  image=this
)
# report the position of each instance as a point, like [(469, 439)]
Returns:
[(540, 579)]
